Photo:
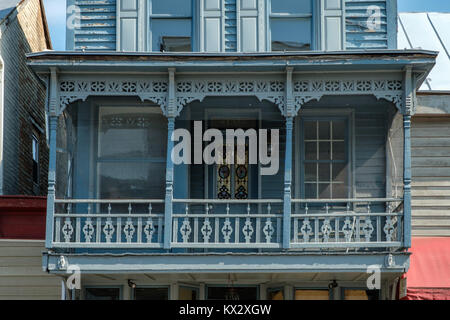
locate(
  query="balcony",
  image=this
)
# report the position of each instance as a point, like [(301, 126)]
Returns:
[(338, 224)]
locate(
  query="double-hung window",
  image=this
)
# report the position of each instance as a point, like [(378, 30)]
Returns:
[(290, 25), (325, 158), (171, 25)]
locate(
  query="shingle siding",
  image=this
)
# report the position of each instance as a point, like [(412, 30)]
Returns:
[(24, 99)]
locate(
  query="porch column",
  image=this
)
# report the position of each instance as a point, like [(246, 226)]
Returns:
[(168, 207), (407, 179), (287, 185), (52, 124), (169, 186)]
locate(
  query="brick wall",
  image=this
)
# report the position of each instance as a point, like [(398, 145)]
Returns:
[(24, 101)]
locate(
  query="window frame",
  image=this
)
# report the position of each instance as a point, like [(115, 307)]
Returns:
[(158, 16), (315, 114), (289, 16), (303, 288), (97, 160)]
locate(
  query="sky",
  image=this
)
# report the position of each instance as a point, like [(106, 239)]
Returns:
[(56, 15)]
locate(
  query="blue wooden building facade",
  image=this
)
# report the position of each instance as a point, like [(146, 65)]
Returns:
[(325, 73)]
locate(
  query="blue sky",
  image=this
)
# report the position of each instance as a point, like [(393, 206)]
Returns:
[(55, 10)]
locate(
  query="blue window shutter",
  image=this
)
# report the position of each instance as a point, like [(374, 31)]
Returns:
[(211, 26), (250, 22), (131, 25), (333, 25)]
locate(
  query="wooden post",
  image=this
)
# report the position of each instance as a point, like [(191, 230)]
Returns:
[(53, 123), (169, 187), (287, 185), (168, 209), (407, 179), (407, 176)]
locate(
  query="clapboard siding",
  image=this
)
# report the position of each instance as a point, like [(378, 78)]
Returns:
[(431, 176), (21, 275), (358, 35), (97, 29)]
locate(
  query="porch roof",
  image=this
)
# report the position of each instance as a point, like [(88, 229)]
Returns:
[(422, 61), (281, 262)]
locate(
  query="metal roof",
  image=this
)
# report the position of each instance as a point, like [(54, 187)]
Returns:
[(428, 31), (6, 6)]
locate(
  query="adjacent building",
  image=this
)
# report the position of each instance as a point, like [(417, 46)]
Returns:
[(23, 154), (23, 145), (429, 277), (138, 225)]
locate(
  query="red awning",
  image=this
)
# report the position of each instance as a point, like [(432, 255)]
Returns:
[(428, 277)]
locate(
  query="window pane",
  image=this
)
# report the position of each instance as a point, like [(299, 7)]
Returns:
[(151, 294), (291, 6), (310, 130), (340, 191), (174, 7), (310, 191), (324, 172), (312, 295), (339, 130), (35, 147), (132, 180), (311, 172), (324, 130), (187, 293), (340, 172), (102, 294), (298, 39), (356, 295), (324, 191), (168, 28), (132, 133), (339, 151), (176, 44), (324, 151), (311, 151)]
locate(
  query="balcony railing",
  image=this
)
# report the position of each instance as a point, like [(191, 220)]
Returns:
[(344, 223), (109, 223), (229, 224)]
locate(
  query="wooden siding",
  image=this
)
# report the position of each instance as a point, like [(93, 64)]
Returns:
[(431, 176), (97, 29), (21, 275), (358, 35), (370, 153)]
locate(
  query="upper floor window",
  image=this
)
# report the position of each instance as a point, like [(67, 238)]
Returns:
[(325, 158), (35, 156), (290, 25), (171, 25)]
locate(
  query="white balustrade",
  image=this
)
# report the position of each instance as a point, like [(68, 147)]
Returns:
[(108, 224)]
